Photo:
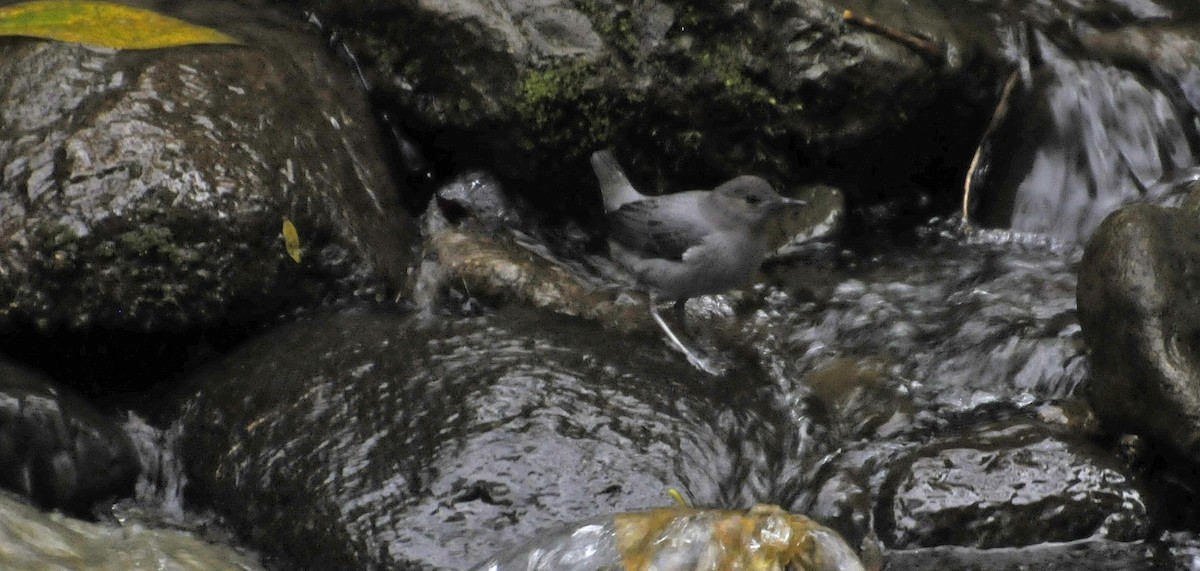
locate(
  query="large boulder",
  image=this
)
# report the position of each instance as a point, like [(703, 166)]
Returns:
[(368, 441), (55, 448), (1139, 307), (690, 92), (145, 191)]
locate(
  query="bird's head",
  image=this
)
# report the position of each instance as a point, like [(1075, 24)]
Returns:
[(752, 199)]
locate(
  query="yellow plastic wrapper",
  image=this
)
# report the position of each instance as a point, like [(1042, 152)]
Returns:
[(764, 538)]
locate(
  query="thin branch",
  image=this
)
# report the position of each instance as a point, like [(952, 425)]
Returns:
[(932, 53), (997, 116)]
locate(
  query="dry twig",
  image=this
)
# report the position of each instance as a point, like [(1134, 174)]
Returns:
[(997, 116), (929, 51)]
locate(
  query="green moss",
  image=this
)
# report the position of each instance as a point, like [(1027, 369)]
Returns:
[(726, 64), (613, 22), (149, 242), (55, 234), (146, 239), (565, 107)]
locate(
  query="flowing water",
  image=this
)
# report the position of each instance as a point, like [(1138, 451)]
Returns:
[(890, 345), (895, 344), (1085, 137)]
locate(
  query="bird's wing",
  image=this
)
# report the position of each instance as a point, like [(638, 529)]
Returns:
[(651, 228)]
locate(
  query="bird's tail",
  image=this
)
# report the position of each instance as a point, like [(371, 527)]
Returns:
[(614, 187)]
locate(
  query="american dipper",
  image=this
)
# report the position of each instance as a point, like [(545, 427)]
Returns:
[(690, 243)]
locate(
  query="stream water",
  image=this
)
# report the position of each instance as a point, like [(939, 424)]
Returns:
[(881, 347), (878, 347), (868, 350)]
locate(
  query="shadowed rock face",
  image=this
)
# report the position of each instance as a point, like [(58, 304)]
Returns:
[(1139, 286), (57, 449), (689, 91), (145, 191), (366, 441)]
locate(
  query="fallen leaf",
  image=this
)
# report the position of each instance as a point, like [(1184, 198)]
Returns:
[(291, 240), (103, 24)]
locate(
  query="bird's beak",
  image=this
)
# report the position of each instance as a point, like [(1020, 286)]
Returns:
[(785, 202)]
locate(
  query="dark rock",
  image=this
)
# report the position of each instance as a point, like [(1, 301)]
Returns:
[(1011, 489), (478, 196), (57, 449), (480, 246), (689, 92), (1010, 484), (1090, 555), (145, 191), (365, 441), (822, 218), (1139, 310)]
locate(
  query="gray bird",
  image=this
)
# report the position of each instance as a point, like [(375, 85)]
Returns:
[(690, 243)]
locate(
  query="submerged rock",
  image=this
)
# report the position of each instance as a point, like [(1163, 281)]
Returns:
[(1086, 555), (1009, 484), (57, 449), (145, 191), (1138, 291), (369, 441), (1010, 488)]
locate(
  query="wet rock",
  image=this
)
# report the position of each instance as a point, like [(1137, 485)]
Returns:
[(476, 196), (537, 86), (501, 271), (145, 191), (1137, 306), (1164, 49), (375, 441), (855, 399), (479, 245), (1090, 555), (978, 494), (32, 540), (1008, 484), (821, 219), (56, 448)]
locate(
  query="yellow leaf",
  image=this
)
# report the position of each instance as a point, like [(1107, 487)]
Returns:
[(103, 24), (291, 240)]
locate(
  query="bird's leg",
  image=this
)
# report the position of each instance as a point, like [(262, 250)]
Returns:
[(681, 315), (692, 357)]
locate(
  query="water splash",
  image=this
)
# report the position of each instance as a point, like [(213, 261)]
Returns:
[(1088, 139), (967, 321), (162, 479)]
